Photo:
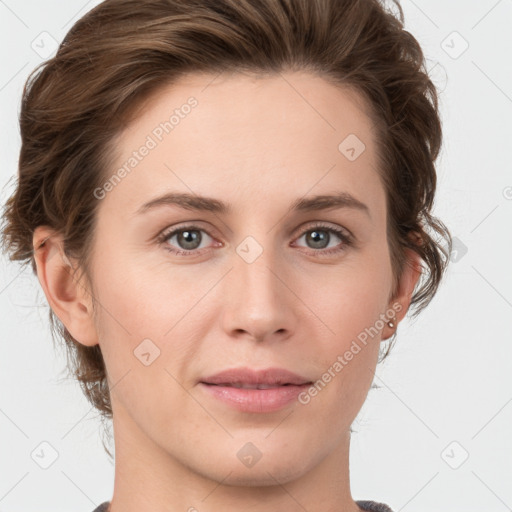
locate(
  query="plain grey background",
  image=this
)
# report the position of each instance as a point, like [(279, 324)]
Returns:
[(436, 435)]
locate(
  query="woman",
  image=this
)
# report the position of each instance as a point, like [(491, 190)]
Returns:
[(227, 204)]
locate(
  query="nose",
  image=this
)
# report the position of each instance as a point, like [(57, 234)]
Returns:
[(259, 300)]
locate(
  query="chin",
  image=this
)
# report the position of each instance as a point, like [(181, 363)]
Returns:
[(269, 469)]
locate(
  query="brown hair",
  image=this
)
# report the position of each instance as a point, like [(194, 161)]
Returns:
[(75, 104)]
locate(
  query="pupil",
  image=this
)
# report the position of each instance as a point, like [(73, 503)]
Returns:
[(319, 238), (189, 239)]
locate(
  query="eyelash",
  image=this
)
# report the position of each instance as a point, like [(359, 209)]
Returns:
[(347, 239)]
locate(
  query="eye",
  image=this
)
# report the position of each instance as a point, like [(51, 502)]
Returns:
[(187, 238), (320, 236)]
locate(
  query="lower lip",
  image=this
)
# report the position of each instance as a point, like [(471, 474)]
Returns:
[(256, 400)]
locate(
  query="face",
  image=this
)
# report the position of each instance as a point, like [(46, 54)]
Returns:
[(262, 277)]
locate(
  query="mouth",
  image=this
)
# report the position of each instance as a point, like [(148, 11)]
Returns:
[(245, 385), (249, 378), (255, 391)]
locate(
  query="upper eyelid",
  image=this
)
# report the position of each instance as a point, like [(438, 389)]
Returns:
[(191, 225), (327, 226)]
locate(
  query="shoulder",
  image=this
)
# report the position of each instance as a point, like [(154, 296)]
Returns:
[(372, 506)]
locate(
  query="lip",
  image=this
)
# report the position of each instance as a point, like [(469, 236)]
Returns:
[(268, 376), (286, 386), (255, 400)]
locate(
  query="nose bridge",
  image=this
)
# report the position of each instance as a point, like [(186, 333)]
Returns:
[(260, 303), (255, 266)]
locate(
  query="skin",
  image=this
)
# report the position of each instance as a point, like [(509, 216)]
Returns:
[(257, 144)]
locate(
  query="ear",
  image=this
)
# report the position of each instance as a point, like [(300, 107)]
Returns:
[(67, 297), (411, 273)]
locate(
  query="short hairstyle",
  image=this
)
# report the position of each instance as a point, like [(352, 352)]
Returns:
[(122, 51)]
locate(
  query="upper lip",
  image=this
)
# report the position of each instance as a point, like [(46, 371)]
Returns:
[(268, 376)]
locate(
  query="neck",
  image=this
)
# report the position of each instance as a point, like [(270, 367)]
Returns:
[(164, 483)]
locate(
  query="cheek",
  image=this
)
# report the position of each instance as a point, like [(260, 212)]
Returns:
[(350, 298), (147, 309), (139, 297), (347, 343), (348, 303)]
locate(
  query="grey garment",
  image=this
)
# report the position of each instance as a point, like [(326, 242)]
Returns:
[(373, 506), (103, 507), (370, 506)]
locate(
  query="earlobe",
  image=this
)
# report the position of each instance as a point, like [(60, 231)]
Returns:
[(411, 273), (68, 298)]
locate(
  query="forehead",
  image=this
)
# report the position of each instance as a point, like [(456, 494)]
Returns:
[(258, 105), (233, 133)]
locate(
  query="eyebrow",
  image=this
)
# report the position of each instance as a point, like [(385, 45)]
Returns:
[(209, 204)]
